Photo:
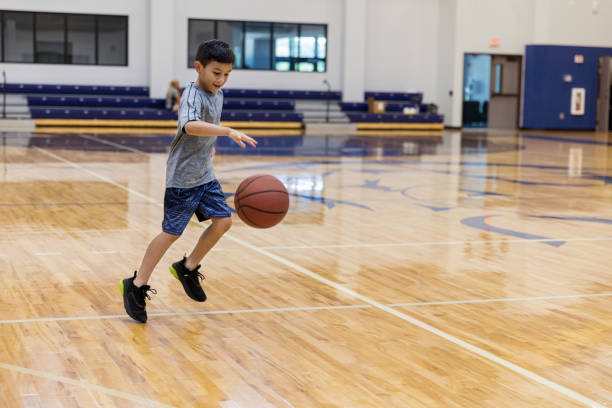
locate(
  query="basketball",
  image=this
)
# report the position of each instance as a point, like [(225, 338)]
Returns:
[(261, 201)]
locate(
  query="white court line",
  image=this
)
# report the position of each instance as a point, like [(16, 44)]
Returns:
[(500, 300), (57, 232), (106, 142), (84, 384), (173, 314), (433, 243), (47, 253), (298, 309), (476, 350)]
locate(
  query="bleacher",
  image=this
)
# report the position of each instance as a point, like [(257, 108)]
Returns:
[(281, 94), (60, 104), (77, 89), (93, 105), (396, 103)]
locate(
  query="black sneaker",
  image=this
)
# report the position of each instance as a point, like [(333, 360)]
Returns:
[(134, 298), (189, 279)]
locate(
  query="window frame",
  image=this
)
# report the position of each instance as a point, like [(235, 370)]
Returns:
[(65, 36), (293, 61)]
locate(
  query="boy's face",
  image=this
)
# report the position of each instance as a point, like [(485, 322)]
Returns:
[(213, 76)]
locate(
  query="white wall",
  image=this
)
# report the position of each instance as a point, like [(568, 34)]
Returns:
[(477, 22), (410, 45), (447, 33), (401, 46), (353, 64), (161, 57), (328, 12), (135, 74), (517, 23), (573, 22)]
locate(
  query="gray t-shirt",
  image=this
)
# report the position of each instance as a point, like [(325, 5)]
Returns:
[(189, 163)]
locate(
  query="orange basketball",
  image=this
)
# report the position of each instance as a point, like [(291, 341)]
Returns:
[(261, 201)]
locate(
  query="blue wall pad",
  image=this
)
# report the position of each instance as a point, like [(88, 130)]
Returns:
[(547, 95)]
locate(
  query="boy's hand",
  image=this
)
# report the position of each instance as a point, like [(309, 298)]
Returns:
[(240, 138)]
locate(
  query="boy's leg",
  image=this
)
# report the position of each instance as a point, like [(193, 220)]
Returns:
[(208, 239), (179, 206), (156, 249), (134, 290), (187, 269), (212, 205)]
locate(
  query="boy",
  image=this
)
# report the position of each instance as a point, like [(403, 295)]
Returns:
[(191, 186)]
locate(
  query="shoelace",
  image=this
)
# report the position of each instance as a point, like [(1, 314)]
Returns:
[(144, 289), (195, 274)]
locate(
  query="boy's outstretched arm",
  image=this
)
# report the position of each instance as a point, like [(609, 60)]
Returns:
[(201, 128)]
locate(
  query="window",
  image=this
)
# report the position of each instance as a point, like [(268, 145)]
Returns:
[(199, 31), (265, 46), (232, 33), (60, 38), (285, 46), (49, 42), (498, 78), (257, 45), (112, 40), (81, 39), (313, 48), (18, 36)]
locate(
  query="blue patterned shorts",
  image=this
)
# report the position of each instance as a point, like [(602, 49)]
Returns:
[(206, 201)]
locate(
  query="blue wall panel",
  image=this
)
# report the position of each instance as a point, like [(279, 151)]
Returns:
[(546, 94)]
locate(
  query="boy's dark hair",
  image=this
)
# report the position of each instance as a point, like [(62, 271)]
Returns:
[(215, 50)]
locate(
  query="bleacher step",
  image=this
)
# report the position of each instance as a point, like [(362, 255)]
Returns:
[(14, 123), (323, 120), (330, 128)]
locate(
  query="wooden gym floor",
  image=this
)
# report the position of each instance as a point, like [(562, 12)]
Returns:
[(434, 270)]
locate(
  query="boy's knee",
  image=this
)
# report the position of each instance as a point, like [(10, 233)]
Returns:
[(171, 237), (223, 224)]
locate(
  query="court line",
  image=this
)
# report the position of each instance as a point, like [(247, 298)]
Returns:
[(455, 340), (67, 204), (434, 243), (84, 384), (433, 330), (106, 142), (301, 309), (458, 302), (383, 245), (94, 174), (56, 231), (173, 314)]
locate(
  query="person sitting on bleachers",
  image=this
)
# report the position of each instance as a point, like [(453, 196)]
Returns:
[(173, 95)]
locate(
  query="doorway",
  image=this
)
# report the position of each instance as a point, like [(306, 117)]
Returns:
[(491, 90)]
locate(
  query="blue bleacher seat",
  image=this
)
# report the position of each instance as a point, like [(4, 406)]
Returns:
[(397, 118), (415, 97), (149, 114), (280, 94), (231, 103), (261, 116), (390, 107), (100, 113), (77, 89), (94, 101)]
